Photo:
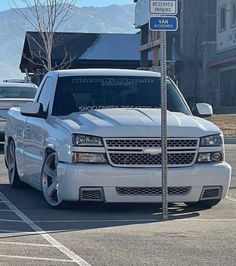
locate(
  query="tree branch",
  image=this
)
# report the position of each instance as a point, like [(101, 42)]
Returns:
[(45, 17)]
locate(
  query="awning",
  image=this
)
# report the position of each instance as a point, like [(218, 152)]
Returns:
[(222, 62)]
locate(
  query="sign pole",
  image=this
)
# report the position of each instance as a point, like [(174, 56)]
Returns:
[(165, 20), (164, 126)]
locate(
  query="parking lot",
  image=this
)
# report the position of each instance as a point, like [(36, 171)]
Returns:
[(31, 233)]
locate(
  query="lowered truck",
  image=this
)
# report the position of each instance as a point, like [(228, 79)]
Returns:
[(95, 135)]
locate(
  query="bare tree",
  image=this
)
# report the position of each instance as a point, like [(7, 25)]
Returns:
[(45, 17)]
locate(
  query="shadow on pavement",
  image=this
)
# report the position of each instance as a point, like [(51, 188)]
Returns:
[(88, 215)]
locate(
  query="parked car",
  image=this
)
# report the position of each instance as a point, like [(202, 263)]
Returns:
[(95, 135), (16, 80), (13, 94)]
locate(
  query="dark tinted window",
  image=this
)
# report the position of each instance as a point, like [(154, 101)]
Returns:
[(223, 18), (45, 94), (17, 92), (74, 94)]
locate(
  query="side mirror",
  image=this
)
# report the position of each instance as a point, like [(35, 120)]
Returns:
[(33, 109), (204, 109)]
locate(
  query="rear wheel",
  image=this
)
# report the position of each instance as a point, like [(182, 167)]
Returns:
[(49, 182), (203, 204), (13, 175)]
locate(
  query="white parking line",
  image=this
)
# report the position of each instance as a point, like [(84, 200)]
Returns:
[(35, 258), (10, 231), (25, 244), (75, 258), (25, 233), (21, 233), (207, 219), (230, 198), (11, 221), (179, 219)]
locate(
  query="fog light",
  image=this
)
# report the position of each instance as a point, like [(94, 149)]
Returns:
[(85, 157), (204, 157), (210, 157)]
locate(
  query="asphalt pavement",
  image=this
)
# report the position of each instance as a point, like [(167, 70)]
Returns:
[(31, 233)]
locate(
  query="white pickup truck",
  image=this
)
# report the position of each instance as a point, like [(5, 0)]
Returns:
[(95, 135)]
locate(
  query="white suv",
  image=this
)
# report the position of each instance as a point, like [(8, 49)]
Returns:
[(13, 94)]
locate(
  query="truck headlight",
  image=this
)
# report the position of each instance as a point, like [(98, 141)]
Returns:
[(87, 157), (211, 141), (86, 140), (210, 157)]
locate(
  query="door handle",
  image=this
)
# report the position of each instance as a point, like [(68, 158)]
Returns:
[(27, 129)]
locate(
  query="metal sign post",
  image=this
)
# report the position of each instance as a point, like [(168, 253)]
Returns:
[(164, 126), (163, 23)]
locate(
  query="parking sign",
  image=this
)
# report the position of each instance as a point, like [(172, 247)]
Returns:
[(163, 7), (163, 23)]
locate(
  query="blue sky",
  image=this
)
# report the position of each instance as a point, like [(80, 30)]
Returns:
[(4, 4)]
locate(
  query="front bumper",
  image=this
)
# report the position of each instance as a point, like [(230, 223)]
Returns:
[(74, 176)]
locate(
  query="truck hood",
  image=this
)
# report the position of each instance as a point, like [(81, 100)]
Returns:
[(135, 123)]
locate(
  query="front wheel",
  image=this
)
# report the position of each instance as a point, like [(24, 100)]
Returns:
[(203, 204), (13, 175), (49, 182)]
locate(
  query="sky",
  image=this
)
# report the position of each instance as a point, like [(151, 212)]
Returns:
[(4, 4)]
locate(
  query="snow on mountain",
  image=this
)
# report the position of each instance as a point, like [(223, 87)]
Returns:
[(111, 19)]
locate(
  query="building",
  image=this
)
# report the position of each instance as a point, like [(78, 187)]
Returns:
[(81, 50), (150, 43), (197, 48), (224, 61), (202, 51)]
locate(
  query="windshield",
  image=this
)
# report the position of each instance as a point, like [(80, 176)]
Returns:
[(17, 92), (81, 94)]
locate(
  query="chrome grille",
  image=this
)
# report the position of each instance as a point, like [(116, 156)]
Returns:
[(147, 159), (151, 191), (134, 152), (150, 143)]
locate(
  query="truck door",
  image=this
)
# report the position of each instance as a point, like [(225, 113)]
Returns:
[(18, 121), (34, 137)]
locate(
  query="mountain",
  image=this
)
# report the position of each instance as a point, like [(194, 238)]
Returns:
[(111, 19)]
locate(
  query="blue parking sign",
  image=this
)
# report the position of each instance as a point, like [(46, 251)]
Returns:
[(163, 23)]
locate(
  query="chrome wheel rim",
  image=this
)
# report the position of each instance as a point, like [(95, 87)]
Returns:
[(11, 162), (50, 186)]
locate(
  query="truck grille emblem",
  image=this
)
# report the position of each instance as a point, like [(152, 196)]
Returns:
[(152, 151)]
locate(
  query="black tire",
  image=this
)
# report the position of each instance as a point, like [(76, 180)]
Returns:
[(203, 204), (49, 183), (13, 175), (5, 160)]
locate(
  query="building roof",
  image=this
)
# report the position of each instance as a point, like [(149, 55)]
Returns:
[(84, 48), (114, 47)]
